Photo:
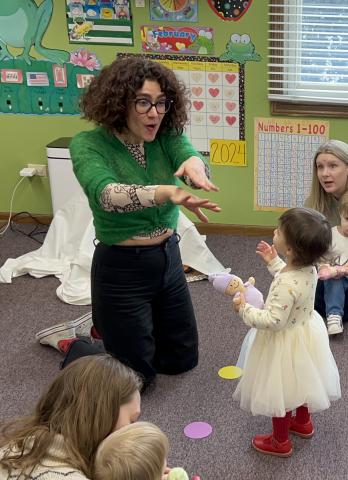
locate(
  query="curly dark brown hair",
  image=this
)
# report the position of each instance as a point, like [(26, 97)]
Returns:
[(307, 232), (108, 96)]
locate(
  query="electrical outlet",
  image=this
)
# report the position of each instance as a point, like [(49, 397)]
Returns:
[(41, 170)]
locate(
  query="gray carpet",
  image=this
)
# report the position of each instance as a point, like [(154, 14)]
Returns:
[(29, 304)]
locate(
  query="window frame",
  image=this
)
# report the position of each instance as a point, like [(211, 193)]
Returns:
[(296, 107)]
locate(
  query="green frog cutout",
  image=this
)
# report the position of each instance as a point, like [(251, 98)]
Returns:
[(23, 24), (240, 49)]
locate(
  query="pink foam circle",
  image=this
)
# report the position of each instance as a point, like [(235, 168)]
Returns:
[(198, 430)]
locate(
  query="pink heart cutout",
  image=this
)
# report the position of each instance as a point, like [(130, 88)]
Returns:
[(214, 92), (214, 118), (213, 77), (230, 77), (197, 91), (230, 106), (230, 120), (198, 105)]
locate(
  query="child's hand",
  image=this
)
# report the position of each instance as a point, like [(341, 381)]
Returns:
[(166, 473), (266, 252), (238, 301), (328, 271)]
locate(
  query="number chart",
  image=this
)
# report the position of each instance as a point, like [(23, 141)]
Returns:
[(217, 97), (284, 151)]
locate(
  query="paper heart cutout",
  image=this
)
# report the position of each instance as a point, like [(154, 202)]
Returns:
[(231, 120), (196, 76), (229, 92), (213, 106), (213, 77), (180, 46), (214, 92), (198, 105), (197, 91), (230, 106), (230, 77), (214, 118), (198, 118)]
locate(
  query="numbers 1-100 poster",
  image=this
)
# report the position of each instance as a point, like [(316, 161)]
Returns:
[(284, 152)]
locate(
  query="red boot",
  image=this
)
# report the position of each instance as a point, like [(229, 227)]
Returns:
[(269, 445)]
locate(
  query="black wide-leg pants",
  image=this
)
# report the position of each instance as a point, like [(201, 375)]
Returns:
[(142, 307)]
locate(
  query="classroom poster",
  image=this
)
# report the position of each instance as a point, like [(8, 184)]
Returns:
[(284, 151), (100, 22), (167, 39), (174, 10)]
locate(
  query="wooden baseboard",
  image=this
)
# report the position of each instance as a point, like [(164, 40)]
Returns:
[(243, 230), (203, 228), (44, 219)]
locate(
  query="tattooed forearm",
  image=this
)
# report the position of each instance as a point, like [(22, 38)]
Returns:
[(121, 198)]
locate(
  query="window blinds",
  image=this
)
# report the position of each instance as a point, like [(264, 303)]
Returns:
[(308, 51)]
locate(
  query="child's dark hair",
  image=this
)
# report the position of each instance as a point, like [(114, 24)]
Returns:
[(307, 232)]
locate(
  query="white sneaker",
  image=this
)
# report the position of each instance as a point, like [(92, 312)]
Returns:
[(334, 324), (52, 335), (82, 325)]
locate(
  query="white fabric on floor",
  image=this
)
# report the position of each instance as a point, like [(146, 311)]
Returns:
[(68, 249)]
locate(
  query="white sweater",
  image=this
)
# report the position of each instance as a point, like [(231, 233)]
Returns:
[(48, 469)]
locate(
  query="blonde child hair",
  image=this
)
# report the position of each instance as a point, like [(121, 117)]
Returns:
[(135, 452)]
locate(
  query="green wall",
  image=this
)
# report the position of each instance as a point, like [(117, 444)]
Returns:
[(24, 137)]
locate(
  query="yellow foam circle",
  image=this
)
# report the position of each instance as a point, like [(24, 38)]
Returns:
[(230, 372)]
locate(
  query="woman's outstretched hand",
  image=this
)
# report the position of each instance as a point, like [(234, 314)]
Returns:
[(194, 168), (266, 252), (179, 196)]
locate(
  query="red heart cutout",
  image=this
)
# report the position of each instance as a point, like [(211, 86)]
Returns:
[(214, 92), (198, 105), (225, 10), (230, 77), (230, 120)]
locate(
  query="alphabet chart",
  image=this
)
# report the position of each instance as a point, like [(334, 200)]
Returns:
[(216, 94), (284, 153)]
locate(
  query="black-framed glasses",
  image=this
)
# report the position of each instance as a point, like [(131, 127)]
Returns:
[(142, 105)]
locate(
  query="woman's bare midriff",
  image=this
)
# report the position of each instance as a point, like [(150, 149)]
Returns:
[(147, 241)]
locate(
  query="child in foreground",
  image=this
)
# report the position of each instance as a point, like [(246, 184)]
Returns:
[(290, 366), (136, 452)]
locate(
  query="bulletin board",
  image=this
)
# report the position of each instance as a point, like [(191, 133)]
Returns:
[(284, 151), (101, 22), (216, 94)]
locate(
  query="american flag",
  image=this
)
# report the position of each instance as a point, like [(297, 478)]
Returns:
[(37, 78)]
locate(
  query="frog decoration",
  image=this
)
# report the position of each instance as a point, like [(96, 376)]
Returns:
[(203, 43), (23, 24), (240, 49)]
